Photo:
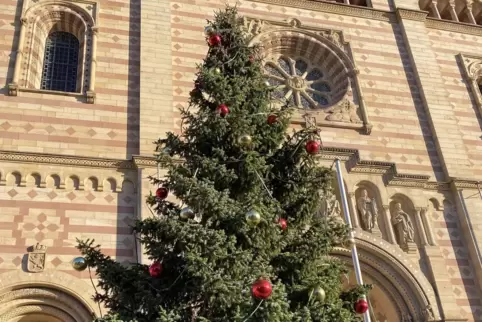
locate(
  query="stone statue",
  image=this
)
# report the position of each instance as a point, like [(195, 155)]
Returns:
[(368, 211), (403, 226), (331, 208)]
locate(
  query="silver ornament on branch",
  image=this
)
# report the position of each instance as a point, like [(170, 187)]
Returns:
[(245, 140), (318, 294), (217, 70), (208, 30), (79, 264), (267, 83), (186, 213), (253, 217)]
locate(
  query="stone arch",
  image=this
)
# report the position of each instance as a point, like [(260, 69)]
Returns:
[(13, 179), (50, 293), (91, 184), (128, 187), (33, 180), (41, 20), (110, 185), (72, 183), (395, 272), (53, 181)]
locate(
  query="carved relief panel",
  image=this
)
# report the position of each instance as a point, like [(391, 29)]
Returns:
[(312, 70)]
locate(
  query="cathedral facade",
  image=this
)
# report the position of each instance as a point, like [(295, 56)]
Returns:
[(393, 85)]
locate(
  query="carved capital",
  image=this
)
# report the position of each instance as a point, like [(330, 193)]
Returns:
[(354, 71), (12, 89), (23, 21), (95, 30), (90, 95), (367, 128)]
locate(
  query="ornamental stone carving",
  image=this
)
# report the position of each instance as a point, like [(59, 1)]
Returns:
[(311, 69), (36, 258)]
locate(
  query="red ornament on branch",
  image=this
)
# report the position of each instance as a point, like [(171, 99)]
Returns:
[(155, 270), (214, 40), (283, 223), (361, 305), (312, 147), (262, 289), (222, 110), (162, 193), (251, 59), (272, 119)]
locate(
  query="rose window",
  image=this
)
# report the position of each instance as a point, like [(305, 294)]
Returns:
[(298, 82)]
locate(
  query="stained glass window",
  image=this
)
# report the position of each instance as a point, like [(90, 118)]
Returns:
[(60, 62), (296, 81)]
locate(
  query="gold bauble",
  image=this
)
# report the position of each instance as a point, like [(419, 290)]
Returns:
[(79, 264), (217, 70), (245, 140), (319, 294), (186, 213), (253, 217)]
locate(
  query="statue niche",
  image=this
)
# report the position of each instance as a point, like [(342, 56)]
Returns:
[(403, 227), (367, 210)]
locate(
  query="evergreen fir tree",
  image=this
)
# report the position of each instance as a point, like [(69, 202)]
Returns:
[(249, 211)]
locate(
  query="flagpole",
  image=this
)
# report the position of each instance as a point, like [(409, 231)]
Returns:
[(346, 212)]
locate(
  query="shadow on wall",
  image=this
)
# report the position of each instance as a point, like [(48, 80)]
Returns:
[(13, 50), (133, 96), (419, 108)]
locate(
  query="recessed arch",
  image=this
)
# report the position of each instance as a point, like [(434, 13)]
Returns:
[(394, 270), (51, 294)]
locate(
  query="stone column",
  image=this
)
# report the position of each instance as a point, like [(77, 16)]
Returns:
[(420, 228), (388, 223), (354, 211), (435, 11), (13, 86), (428, 227), (93, 67), (468, 11), (453, 13)]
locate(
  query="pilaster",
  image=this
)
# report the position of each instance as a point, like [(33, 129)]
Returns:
[(156, 93), (433, 94)]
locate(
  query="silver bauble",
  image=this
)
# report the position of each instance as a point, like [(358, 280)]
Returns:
[(217, 70), (79, 264), (245, 140), (208, 30), (267, 83), (253, 217), (186, 213), (319, 294)]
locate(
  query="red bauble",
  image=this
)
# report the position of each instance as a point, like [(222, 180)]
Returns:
[(361, 306), (283, 223), (272, 119), (155, 269), (251, 59), (222, 110), (214, 40), (261, 289), (312, 147), (162, 193)]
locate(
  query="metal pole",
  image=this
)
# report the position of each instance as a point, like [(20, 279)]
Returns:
[(346, 211)]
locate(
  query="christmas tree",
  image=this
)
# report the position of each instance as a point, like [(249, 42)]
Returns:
[(246, 241)]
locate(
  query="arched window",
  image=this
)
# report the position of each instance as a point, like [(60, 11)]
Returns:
[(60, 64)]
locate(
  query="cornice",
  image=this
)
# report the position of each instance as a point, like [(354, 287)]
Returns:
[(350, 156), (454, 26), (337, 8), (67, 160), (411, 14)]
